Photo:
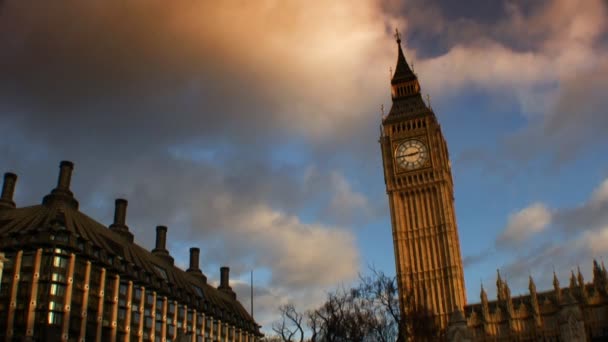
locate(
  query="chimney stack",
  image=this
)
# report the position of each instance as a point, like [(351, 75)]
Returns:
[(225, 282), (194, 257), (120, 215), (65, 175), (62, 193), (194, 268), (224, 277), (161, 238), (8, 189), (161, 242), (120, 211)]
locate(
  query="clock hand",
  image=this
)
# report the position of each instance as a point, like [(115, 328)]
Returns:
[(411, 154)]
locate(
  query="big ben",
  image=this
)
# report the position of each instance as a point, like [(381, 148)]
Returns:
[(420, 191)]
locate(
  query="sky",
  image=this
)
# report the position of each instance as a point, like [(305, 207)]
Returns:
[(251, 130)]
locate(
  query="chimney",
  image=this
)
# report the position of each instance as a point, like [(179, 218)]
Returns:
[(161, 242), (120, 214), (225, 277), (65, 175), (225, 282), (62, 194), (161, 238), (194, 268), (8, 189), (194, 256)]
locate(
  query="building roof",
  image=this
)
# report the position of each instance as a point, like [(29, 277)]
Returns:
[(402, 71), (58, 223), (410, 106)]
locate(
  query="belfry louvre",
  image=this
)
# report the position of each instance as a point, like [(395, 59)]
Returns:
[(66, 277)]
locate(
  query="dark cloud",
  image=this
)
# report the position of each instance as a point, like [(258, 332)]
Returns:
[(193, 118), (470, 260), (576, 121)]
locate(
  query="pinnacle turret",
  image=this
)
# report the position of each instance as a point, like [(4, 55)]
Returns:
[(556, 288), (403, 72), (404, 83), (531, 285)]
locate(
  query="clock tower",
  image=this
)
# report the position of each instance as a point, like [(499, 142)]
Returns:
[(420, 190)]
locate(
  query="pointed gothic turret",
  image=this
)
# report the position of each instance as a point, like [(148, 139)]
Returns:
[(599, 278), (500, 287), (404, 82), (531, 285), (485, 309), (557, 289), (581, 285), (508, 300), (402, 71), (572, 286), (605, 277), (534, 302)]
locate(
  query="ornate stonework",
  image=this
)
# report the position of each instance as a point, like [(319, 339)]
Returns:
[(420, 191), (575, 313), (421, 199)]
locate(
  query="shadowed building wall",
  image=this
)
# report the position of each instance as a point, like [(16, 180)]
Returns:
[(67, 277)]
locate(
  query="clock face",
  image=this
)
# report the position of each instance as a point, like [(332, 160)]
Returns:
[(411, 154)]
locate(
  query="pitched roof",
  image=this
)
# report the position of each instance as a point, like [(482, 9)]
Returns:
[(402, 71), (410, 106), (58, 223)]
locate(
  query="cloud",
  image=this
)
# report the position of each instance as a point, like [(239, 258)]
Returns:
[(548, 56), (563, 248), (592, 215), (524, 223), (346, 205), (574, 122), (469, 260), (300, 255), (173, 65)]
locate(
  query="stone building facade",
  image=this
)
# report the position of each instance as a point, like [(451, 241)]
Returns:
[(578, 312), (418, 178), (66, 277)]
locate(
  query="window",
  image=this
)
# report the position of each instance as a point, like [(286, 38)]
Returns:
[(55, 317), (159, 315), (180, 316), (57, 290), (161, 271), (189, 321), (198, 291), (60, 262)]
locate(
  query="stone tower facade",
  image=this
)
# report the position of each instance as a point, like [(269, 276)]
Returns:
[(420, 191)]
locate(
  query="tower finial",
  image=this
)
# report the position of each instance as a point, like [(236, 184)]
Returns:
[(397, 36)]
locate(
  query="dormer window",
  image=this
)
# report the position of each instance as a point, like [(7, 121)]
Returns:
[(161, 271), (198, 291)]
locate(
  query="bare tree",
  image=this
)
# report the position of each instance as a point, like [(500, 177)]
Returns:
[(368, 312), (382, 296), (314, 322), (290, 328)]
